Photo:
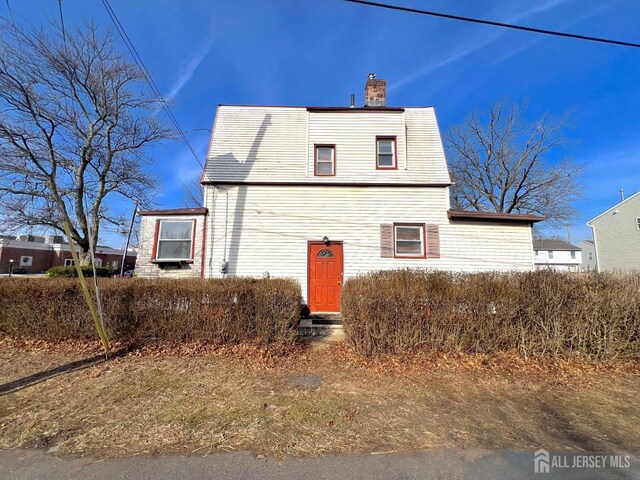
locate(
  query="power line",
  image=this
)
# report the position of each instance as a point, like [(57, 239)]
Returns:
[(495, 24), (64, 34), (154, 88), (10, 11)]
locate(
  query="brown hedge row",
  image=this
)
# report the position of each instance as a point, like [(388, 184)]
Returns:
[(212, 311), (537, 313)]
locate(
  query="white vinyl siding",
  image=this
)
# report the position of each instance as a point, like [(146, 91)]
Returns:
[(261, 229)]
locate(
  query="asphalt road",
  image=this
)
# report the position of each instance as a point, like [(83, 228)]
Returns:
[(433, 464)]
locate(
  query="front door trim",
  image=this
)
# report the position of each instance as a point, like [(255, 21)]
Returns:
[(311, 243)]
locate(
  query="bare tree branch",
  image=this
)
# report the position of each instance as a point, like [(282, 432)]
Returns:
[(192, 193)]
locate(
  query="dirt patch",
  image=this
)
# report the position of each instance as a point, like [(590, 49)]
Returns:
[(305, 381), (195, 399)]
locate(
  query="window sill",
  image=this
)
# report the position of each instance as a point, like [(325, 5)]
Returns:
[(162, 262)]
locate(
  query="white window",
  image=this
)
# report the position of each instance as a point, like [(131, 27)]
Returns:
[(536, 252), (590, 255), (68, 262), (409, 240), (550, 252), (638, 223), (175, 240), (573, 254), (114, 264), (98, 262), (386, 153), (325, 160)]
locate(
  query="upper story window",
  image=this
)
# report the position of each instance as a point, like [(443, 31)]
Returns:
[(175, 240), (550, 252), (638, 223), (590, 256), (386, 153), (573, 254), (325, 160), (409, 240)]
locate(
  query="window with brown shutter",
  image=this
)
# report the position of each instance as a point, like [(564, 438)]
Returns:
[(408, 240), (386, 241), (433, 241)]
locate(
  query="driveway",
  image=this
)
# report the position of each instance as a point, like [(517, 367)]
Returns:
[(432, 464)]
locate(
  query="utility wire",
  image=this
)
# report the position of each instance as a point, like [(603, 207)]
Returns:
[(154, 88), (10, 11), (64, 34), (496, 24)]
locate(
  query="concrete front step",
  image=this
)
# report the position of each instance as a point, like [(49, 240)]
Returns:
[(320, 326)]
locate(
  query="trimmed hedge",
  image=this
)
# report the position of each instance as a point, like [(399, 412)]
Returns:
[(218, 311), (536, 313), (71, 272)]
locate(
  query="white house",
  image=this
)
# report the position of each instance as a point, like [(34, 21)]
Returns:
[(616, 235), (557, 255), (324, 193), (589, 258)]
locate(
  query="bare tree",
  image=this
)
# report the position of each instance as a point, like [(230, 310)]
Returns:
[(192, 193), (503, 165), (74, 126)]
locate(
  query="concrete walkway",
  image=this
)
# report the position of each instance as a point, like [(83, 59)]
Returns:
[(445, 464)]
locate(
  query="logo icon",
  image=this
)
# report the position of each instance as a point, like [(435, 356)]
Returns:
[(541, 461)]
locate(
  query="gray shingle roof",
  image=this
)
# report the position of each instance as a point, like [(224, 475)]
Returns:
[(551, 244)]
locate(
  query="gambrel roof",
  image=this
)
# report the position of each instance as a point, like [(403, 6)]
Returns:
[(263, 144)]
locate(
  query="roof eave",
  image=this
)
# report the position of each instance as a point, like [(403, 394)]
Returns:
[(493, 216), (611, 208), (174, 212)]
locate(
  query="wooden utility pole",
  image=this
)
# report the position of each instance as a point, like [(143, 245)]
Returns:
[(126, 247)]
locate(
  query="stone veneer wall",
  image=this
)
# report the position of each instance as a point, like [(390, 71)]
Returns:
[(146, 269)]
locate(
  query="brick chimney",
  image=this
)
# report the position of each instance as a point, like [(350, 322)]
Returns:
[(375, 92)]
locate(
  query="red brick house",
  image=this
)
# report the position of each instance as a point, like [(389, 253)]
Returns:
[(36, 254)]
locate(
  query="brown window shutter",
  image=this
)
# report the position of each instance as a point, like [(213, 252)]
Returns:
[(386, 241), (433, 241)]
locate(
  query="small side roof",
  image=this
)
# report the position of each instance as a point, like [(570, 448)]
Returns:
[(500, 217), (175, 211), (553, 244)]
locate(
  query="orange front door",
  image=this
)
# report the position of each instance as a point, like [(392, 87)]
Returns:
[(325, 276)]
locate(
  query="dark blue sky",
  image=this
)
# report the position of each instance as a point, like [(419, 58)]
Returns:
[(318, 52)]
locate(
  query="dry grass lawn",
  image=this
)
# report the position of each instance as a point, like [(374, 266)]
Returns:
[(309, 402)]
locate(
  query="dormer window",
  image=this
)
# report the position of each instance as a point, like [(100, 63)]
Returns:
[(325, 160), (386, 153)]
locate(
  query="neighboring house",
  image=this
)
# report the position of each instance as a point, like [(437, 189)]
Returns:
[(616, 235), (35, 254), (589, 258), (324, 193), (557, 255)]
